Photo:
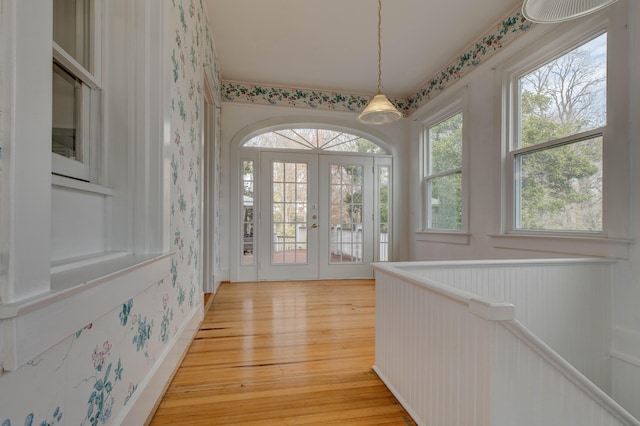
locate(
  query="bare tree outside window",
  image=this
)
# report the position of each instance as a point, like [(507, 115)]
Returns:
[(558, 167)]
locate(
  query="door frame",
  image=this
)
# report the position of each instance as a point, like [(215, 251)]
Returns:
[(210, 194), (240, 272), (319, 229)]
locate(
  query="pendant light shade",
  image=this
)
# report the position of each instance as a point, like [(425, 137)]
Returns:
[(550, 11), (379, 110)]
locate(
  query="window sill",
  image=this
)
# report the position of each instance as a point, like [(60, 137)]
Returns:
[(444, 237), (568, 245), (62, 265), (79, 185), (77, 297)]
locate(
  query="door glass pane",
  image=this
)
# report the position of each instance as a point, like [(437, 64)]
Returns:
[(383, 213), (345, 234), (289, 213), (247, 213)]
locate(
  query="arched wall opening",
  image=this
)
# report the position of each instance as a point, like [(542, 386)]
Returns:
[(252, 249)]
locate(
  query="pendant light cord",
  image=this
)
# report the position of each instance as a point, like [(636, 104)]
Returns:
[(379, 47), (379, 109)]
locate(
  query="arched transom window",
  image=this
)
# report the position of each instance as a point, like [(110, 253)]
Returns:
[(315, 140)]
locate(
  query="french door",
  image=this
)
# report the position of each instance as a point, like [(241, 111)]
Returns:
[(316, 216)]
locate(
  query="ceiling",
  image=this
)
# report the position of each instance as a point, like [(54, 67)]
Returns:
[(332, 44)]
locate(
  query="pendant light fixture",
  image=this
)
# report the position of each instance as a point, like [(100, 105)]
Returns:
[(379, 110), (551, 11)]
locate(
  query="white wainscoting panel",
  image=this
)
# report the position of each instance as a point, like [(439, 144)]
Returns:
[(626, 369), (432, 353), (566, 303), (532, 386), (455, 355)]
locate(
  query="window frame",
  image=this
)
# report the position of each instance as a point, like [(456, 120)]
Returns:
[(88, 103), (241, 153), (540, 44), (512, 125), (442, 111), (54, 298), (314, 145)]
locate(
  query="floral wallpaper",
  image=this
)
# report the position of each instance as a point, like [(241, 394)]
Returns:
[(506, 31), (93, 376), (90, 378), (192, 35)]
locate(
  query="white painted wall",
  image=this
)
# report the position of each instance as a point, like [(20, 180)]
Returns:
[(482, 86), (77, 223), (25, 71), (626, 344), (485, 198)]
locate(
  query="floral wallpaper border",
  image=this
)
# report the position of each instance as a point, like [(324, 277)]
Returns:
[(503, 33)]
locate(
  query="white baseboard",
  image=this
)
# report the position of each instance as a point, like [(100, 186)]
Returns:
[(399, 397), (151, 390)]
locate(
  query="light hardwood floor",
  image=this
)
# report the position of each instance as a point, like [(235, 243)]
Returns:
[(286, 353)]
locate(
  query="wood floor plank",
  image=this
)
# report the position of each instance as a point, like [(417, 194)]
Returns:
[(288, 353)]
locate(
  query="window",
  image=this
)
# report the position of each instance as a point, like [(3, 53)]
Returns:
[(443, 170), (314, 139), (76, 88), (556, 149)]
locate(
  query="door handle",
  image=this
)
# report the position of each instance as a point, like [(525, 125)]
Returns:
[(314, 226)]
